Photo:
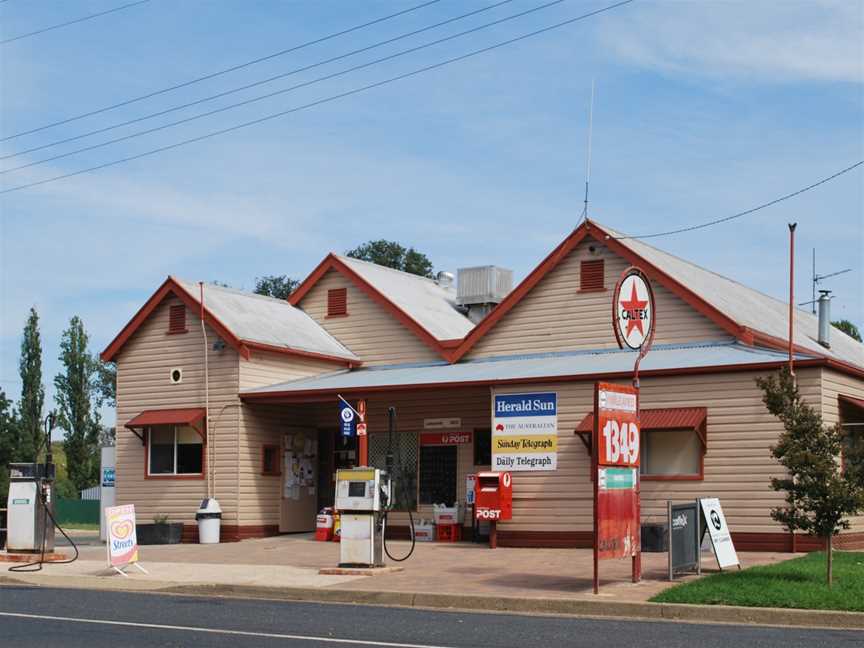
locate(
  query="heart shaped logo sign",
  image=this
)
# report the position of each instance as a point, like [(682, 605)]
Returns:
[(122, 529)]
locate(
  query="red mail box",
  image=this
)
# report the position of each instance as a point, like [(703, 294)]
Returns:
[(493, 492)]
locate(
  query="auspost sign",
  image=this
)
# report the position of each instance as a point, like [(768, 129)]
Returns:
[(525, 432)]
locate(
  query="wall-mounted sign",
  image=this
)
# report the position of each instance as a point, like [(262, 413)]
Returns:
[(347, 419), (445, 438), (442, 423), (525, 432), (633, 310), (721, 539)]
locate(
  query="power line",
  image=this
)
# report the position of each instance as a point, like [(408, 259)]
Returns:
[(255, 84), (325, 100), (269, 95), (745, 213), (73, 22), (212, 75)]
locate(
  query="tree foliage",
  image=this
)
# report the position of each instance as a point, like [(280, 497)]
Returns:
[(848, 328), (278, 286), (32, 390), (819, 496), (8, 443), (394, 255), (77, 386), (106, 383)]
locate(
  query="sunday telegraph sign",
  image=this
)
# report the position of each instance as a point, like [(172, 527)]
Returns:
[(525, 432)]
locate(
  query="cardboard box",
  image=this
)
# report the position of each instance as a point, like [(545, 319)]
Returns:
[(424, 532)]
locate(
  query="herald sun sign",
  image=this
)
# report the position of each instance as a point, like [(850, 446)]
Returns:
[(617, 425)]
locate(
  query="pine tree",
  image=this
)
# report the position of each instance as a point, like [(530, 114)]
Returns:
[(8, 443), (819, 495), (32, 391), (77, 387)]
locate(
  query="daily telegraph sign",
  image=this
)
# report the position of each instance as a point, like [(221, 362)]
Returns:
[(525, 432)]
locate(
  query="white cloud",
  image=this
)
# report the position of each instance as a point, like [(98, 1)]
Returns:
[(777, 41)]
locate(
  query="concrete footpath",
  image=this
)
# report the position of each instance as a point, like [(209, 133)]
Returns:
[(438, 575)]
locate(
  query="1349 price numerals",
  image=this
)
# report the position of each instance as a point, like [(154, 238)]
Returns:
[(621, 442)]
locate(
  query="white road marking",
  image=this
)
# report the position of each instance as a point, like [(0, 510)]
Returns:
[(243, 633)]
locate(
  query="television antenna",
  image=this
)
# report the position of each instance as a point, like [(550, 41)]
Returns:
[(588, 155), (817, 278)]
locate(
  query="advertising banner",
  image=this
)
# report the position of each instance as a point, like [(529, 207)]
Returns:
[(525, 432), (122, 540), (721, 539), (347, 420)]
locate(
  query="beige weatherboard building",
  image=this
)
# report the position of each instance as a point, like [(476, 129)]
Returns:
[(235, 396)]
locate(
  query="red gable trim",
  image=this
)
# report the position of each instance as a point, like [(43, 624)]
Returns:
[(332, 262), (673, 418), (171, 287)]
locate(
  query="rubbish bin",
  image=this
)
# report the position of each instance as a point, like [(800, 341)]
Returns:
[(209, 518)]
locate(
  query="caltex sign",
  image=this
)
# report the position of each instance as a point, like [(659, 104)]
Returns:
[(633, 310)]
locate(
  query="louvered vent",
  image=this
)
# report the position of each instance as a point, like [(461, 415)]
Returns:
[(591, 275), (177, 319), (337, 302)]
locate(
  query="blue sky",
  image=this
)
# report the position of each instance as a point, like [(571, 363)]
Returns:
[(702, 109)]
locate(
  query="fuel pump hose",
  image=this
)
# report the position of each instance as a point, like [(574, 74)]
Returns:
[(29, 567), (413, 539)]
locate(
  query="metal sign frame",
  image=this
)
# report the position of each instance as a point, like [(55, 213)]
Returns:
[(698, 534)]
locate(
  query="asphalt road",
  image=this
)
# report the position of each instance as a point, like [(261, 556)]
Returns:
[(70, 618)]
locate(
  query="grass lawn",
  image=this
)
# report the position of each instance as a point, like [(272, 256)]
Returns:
[(795, 583)]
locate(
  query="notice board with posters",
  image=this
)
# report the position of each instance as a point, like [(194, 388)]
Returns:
[(525, 432), (616, 460)]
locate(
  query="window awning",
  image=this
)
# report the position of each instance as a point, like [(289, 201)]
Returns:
[(670, 418), (191, 416), (854, 402)]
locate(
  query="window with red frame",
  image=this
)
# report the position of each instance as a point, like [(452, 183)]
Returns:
[(337, 302), (665, 453), (177, 319), (591, 275), (174, 450)]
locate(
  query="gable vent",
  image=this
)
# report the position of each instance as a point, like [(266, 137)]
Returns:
[(337, 302), (177, 319), (591, 275)]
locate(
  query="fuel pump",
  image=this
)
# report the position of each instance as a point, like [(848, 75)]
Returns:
[(30, 505)]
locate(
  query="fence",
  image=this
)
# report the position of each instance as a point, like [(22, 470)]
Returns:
[(76, 511), (92, 493)]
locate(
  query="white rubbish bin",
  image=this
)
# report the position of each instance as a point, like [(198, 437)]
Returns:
[(209, 518)]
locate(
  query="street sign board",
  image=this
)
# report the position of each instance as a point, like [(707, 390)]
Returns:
[(525, 432), (718, 531)]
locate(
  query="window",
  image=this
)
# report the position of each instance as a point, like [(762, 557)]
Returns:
[(438, 475), (177, 319), (337, 302), (671, 453), (270, 460), (174, 450), (405, 455), (483, 447), (591, 275)]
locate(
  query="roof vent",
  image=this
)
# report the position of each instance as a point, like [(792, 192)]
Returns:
[(481, 288), (445, 279), (825, 318)]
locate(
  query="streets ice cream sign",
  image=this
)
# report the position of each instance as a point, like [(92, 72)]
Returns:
[(633, 310), (525, 432)]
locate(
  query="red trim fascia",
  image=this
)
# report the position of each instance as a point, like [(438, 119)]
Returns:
[(515, 296), (332, 262), (261, 346), (169, 286), (302, 396)]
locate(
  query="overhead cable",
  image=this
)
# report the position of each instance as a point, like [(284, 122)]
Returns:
[(726, 219), (219, 72), (219, 95), (325, 100), (73, 22), (269, 95)]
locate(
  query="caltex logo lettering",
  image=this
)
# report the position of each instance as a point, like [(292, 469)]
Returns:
[(633, 309)]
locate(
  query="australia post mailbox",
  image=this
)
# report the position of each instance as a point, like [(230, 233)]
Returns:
[(493, 496)]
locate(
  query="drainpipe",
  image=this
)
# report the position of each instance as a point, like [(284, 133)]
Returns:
[(210, 468), (792, 227)]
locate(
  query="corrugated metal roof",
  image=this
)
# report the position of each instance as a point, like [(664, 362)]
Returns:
[(670, 418), (256, 318), (432, 306), (528, 367), (746, 306)]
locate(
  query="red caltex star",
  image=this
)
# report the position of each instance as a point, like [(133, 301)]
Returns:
[(634, 309)]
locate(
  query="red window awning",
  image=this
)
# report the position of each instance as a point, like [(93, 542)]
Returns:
[(191, 416), (854, 402), (670, 418)]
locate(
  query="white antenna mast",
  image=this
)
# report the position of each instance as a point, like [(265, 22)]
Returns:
[(588, 158)]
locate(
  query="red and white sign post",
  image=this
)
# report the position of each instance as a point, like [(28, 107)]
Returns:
[(362, 438), (615, 447)]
